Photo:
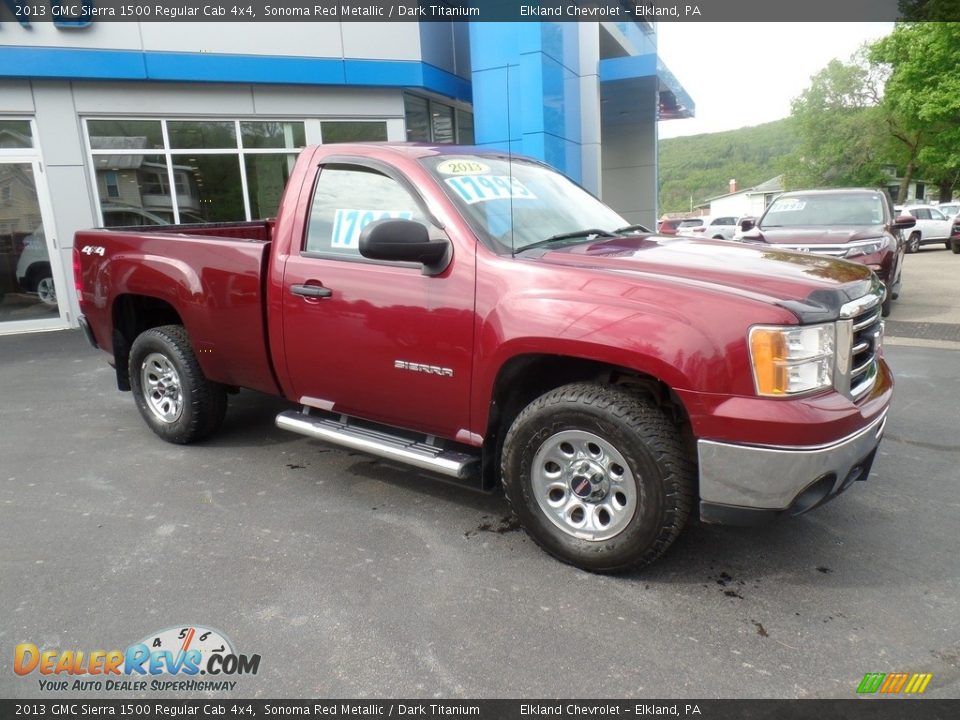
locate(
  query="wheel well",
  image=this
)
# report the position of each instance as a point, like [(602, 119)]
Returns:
[(523, 379), (132, 314)]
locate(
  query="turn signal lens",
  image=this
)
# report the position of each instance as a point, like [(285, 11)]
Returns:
[(792, 360)]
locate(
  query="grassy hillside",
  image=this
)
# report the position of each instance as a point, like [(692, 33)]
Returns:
[(701, 165)]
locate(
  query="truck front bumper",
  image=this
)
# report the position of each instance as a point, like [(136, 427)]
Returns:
[(746, 483)]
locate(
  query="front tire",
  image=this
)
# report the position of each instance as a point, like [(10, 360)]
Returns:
[(598, 477), (172, 394), (955, 247), (913, 244), (887, 305), (47, 291)]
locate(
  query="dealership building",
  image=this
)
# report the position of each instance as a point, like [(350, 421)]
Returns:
[(148, 123)]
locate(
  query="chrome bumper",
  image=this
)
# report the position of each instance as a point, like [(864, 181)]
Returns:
[(782, 479)]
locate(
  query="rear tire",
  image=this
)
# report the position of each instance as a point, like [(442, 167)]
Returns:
[(598, 477), (172, 394), (955, 248)]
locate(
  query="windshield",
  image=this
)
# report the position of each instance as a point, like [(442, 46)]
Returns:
[(518, 204), (820, 210)]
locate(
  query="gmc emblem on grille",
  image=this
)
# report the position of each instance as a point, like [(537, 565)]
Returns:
[(421, 368)]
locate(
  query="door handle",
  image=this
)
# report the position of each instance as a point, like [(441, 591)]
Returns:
[(311, 291)]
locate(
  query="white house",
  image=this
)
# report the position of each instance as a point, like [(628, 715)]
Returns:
[(742, 203)]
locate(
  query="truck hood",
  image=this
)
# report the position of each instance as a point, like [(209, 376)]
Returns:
[(813, 235), (813, 287)]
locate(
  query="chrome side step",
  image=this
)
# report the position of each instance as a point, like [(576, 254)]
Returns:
[(453, 464)]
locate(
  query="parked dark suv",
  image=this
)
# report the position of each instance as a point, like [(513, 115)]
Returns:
[(851, 223)]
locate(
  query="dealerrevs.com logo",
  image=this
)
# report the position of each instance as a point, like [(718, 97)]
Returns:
[(171, 660)]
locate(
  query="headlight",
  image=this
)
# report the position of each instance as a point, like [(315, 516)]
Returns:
[(866, 248), (791, 360)]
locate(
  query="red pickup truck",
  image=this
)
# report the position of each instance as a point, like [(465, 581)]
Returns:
[(480, 316)]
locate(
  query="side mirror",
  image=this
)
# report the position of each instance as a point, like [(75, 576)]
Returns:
[(904, 222), (404, 241), (747, 223)]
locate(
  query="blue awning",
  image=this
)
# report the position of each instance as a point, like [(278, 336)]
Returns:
[(624, 80)]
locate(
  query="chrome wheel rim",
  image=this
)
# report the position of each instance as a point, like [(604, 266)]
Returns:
[(584, 485), (161, 387), (47, 291)]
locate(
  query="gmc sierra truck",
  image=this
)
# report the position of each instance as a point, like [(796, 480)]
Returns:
[(480, 316)]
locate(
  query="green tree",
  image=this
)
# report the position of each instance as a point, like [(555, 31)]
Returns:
[(917, 10), (922, 94), (844, 131)]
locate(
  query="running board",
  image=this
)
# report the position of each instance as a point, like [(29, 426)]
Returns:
[(453, 464)]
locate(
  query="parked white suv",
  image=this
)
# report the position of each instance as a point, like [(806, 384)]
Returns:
[(717, 228), (932, 227), (951, 209), (33, 268)]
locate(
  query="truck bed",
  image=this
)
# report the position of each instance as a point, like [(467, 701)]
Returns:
[(211, 276), (257, 230)]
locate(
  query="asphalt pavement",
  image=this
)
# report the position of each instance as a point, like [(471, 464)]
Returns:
[(354, 579)]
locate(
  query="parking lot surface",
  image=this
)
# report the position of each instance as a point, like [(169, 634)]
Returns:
[(929, 306), (354, 579)]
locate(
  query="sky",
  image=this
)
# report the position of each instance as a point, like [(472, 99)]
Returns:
[(742, 74)]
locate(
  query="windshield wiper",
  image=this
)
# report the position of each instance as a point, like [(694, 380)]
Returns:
[(632, 228), (586, 233)]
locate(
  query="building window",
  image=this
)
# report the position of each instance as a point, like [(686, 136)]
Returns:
[(15, 134), (193, 170), (156, 172), (201, 134), (921, 191), (341, 132), (441, 123), (125, 134), (433, 121), (417, 111), (465, 127), (259, 135)]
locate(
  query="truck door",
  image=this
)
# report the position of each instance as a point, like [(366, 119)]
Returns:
[(377, 340)]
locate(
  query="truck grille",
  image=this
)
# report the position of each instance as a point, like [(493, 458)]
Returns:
[(865, 346), (859, 338)]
